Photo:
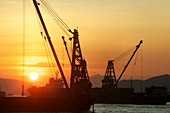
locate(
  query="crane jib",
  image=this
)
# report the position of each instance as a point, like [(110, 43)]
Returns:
[(137, 47), (50, 43)]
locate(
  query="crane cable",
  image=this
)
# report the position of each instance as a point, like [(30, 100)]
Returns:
[(57, 19), (65, 25), (54, 19), (55, 16), (123, 55), (48, 57), (134, 65), (46, 6), (141, 52), (47, 50), (46, 3)]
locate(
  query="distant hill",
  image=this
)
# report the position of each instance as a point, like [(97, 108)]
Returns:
[(11, 86), (138, 85), (96, 80)]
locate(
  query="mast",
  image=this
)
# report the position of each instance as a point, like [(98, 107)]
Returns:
[(110, 76), (79, 75), (50, 43)]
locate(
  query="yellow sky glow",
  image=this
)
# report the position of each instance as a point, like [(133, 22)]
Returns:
[(107, 28)]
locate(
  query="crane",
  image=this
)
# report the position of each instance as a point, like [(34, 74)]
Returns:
[(50, 43), (79, 74), (110, 80), (79, 98)]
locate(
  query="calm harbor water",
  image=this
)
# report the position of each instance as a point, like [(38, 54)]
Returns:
[(128, 108)]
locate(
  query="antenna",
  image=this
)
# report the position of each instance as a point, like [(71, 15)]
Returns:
[(23, 66)]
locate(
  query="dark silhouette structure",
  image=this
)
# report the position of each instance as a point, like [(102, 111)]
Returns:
[(111, 94), (56, 96)]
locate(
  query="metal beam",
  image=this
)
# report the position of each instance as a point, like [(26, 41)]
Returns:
[(50, 43)]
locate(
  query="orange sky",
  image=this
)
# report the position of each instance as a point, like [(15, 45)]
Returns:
[(107, 28)]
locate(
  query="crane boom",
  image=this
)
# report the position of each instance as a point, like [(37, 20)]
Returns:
[(50, 43), (137, 47)]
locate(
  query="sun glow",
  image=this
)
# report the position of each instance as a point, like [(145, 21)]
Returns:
[(33, 75)]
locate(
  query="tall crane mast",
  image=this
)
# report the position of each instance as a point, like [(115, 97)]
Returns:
[(110, 80), (79, 75), (110, 76), (50, 43)]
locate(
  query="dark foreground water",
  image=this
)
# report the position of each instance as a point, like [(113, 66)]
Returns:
[(128, 108), (121, 108)]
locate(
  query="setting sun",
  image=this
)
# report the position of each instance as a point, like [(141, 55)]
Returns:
[(33, 75)]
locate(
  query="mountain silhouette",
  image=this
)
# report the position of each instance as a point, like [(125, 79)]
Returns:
[(96, 80), (138, 85), (11, 86)]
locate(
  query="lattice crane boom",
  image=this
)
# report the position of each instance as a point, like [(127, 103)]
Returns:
[(50, 43)]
